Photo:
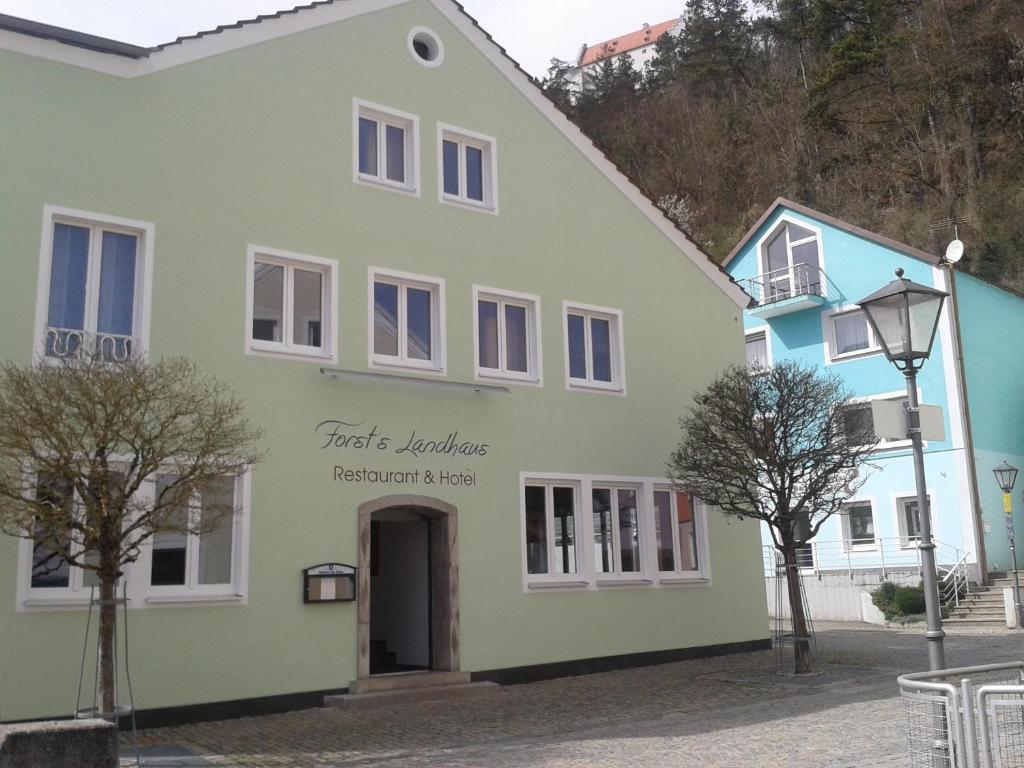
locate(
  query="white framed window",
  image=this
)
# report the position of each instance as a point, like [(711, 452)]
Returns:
[(468, 163), (848, 335), (758, 349), (791, 260), (858, 421), (291, 304), (506, 329), (201, 552), (407, 321), (678, 536), (551, 527), (593, 348), (45, 576), (615, 512), (173, 565), (635, 532), (858, 524), (908, 520), (95, 284), (385, 149)]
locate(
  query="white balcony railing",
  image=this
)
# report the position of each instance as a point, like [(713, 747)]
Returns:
[(72, 343), (786, 283), (885, 555)]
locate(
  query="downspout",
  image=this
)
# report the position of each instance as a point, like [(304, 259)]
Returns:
[(972, 468)]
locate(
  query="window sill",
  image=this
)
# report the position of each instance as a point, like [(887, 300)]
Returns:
[(470, 205), (390, 186), (394, 364), (558, 584), (579, 385), (259, 350), (860, 548), (624, 582), (60, 602), (695, 579), (233, 597), (896, 445), (528, 381), (858, 355)]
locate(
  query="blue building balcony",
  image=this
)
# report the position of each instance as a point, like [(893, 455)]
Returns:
[(787, 290)]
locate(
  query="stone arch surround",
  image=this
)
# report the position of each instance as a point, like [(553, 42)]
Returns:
[(444, 556)]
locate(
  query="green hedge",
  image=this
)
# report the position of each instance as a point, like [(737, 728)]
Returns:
[(895, 601)]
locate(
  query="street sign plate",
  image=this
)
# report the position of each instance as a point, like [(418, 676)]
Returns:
[(890, 420)]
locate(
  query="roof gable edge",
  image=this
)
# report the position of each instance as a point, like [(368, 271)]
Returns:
[(527, 86), (831, 221)]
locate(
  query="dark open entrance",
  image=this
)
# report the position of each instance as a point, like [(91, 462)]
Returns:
[(409, 563), (400, 609)]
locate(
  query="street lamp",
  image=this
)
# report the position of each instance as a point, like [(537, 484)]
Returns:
[(904, 317), (1006, 476)]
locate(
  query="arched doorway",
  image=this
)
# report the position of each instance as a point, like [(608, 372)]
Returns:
[(408, 555)]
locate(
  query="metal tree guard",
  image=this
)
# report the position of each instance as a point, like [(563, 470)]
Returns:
[(783, 638)]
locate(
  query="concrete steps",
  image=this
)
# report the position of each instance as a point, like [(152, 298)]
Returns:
[(976, 622), (409, 687), (983, 607)]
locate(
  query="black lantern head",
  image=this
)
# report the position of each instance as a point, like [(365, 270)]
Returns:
[(904, 316), (1006, 476)]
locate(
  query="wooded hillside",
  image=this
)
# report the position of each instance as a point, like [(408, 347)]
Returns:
[(894, 115)]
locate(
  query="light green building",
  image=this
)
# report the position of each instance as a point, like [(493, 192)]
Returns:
[(467, 337)]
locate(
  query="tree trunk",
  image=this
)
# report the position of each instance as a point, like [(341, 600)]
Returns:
[(108, 627), (801, 637)]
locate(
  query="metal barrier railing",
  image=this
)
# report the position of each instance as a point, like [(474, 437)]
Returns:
[(886, 555), (968, 717)]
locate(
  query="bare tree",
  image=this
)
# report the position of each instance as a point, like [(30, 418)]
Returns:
[(81, 441), (782, 445)]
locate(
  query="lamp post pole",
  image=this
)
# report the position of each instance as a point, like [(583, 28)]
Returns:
[(933, 614), (905, 317), (1008, 508), (1006, 477)]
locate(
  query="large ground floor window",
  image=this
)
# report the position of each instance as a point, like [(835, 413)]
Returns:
[(199, 555), (592, 531)]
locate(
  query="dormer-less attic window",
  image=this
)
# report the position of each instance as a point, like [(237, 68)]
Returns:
[(791, 262), (425, 46)]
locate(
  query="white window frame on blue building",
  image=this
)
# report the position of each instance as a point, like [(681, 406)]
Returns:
[(828, 332), (860, 545), (764, 332), (762, 255)]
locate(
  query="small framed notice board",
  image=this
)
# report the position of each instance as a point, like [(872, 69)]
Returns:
[(329, 583)]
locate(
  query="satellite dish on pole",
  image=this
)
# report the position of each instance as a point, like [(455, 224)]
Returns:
[(954, 251)]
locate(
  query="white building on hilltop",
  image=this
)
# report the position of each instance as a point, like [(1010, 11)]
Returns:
[(638, 46)]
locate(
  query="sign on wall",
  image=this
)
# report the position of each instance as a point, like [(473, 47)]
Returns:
[(329, 583), (355, 440)]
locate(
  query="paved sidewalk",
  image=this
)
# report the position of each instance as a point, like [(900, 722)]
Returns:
[(727, 712)]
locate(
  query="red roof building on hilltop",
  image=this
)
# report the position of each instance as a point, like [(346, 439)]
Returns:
[(638, 45), (645, 36)]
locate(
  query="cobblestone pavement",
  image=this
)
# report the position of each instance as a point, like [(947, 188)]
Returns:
[(726, 712)]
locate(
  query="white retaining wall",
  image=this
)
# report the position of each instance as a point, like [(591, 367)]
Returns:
[(840, 596)]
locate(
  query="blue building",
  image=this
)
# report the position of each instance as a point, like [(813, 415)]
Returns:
[(805, 271)]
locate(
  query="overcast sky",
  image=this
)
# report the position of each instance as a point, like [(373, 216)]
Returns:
[(531, 30)]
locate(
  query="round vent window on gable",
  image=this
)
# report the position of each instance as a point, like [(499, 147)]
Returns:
[(425, 46)]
